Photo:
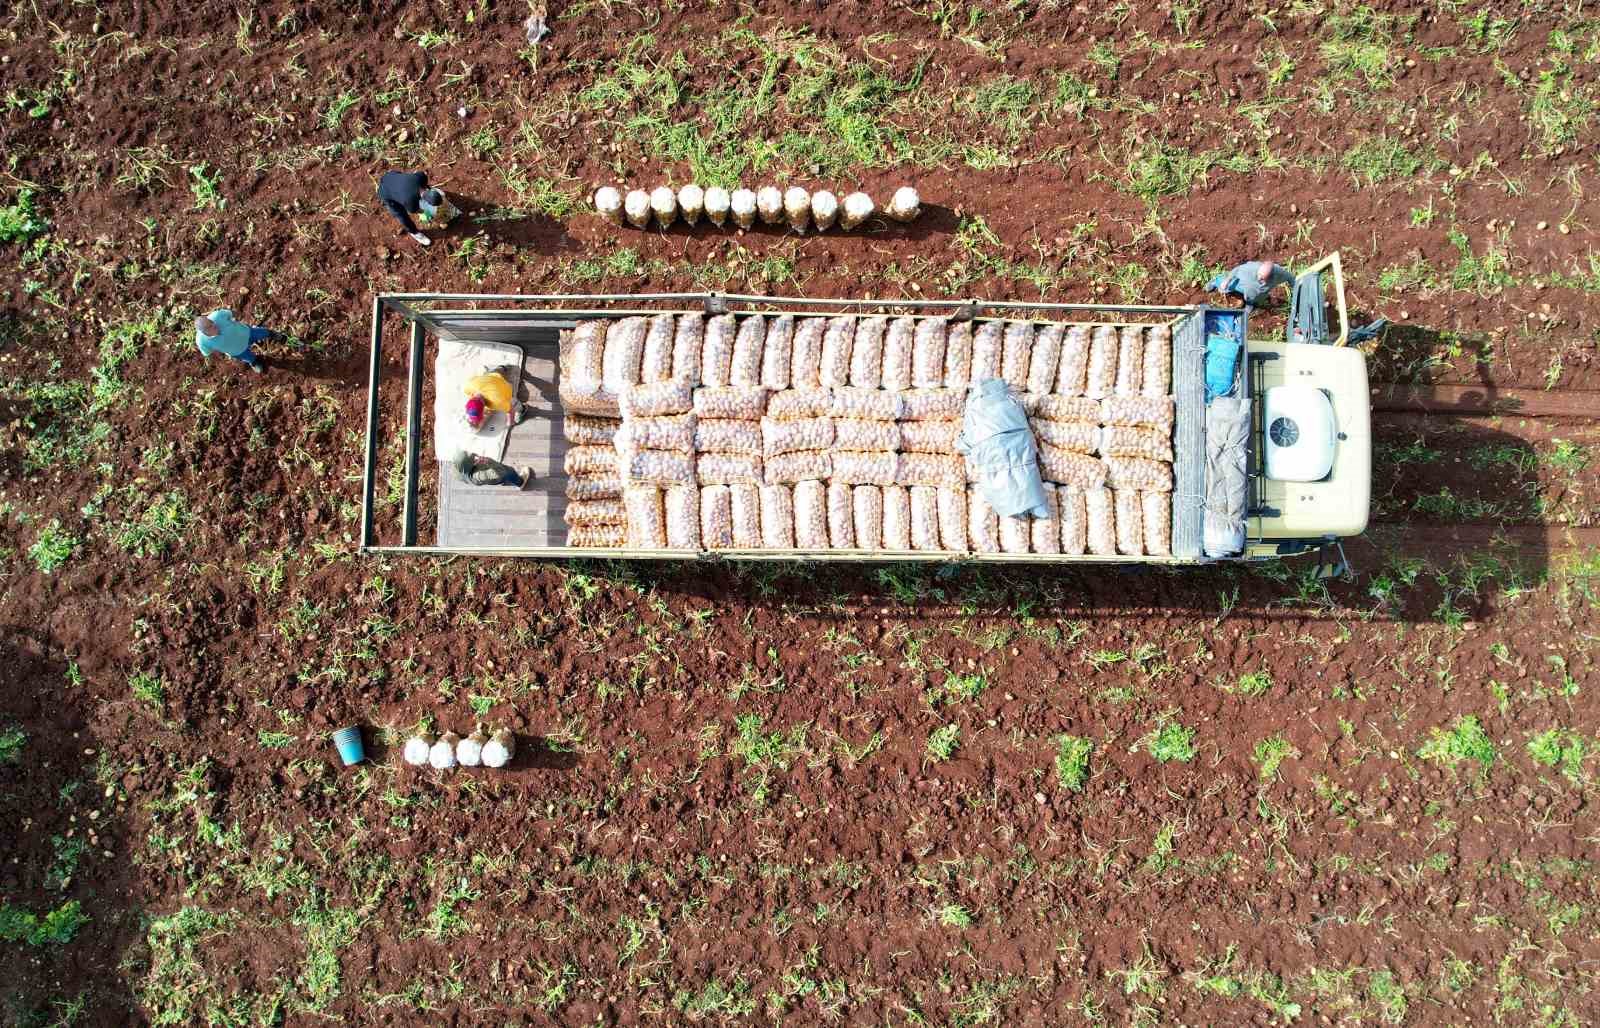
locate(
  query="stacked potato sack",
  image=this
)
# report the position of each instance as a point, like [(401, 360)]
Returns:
[(729, 405), (595, 515)]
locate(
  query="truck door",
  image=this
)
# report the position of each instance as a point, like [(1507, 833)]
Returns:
[(1308, 304)]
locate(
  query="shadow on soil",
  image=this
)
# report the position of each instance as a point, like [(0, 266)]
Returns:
[(57, 853)]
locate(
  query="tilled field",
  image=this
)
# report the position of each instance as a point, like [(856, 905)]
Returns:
[(784, 794)]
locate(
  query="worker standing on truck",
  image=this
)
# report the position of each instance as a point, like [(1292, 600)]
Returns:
[(405, 193), (1251, 281), (218, 332)]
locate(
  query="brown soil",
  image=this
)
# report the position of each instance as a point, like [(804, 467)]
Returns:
[(634, 867)]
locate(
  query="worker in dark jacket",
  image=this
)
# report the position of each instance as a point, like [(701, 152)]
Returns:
[(405, 193), (1252, 281)]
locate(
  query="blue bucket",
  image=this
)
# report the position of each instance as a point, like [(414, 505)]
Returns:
[(349, 742)]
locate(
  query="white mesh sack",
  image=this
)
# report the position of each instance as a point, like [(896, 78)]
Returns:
[(791, 468), (608, 202), (1100, 522), (656, 365), (833, 368), (930, 436), (742, 206), (777, 517), (811, 515), (597, 512), (1015, 348), (1046, 531), (897, 345), (624, 354), (590, 460), (1130, 360), (987, 341), (857, 468), (932, 404), (667, 432), (747, 402), (1156, 509), (797, 208), (983, 524), (686, 344), (872, 404), (746, 508), (857, 207), (682, 506), (896, 517), (824, 209), (716, 203), (866, 353), (583, 364), (748, 344), (1157, 365), (1074, 520), (647, 523), (1067, 408), (1045, 360), (928, 352), (958, 356), (1077, 436), (691, 203), (1136, 473), (728, 435), (594, 487), (777, 352), (953, 519), (1067, 468), (864, 434), (1016, 534), (924, 518), (1149, 443), (866, 502), (716, 353), (905, 205), (1071, 372), (664, 206), (841, 517), (789, 404), (728, 469), (769, 205), (1139, 411), (794, 435), (597, 536), (1100, 378), (805, 367), (647, 401), (655, 467), (636, 206), (1130, 522), (583, 430), (932, 470), (716, 517)]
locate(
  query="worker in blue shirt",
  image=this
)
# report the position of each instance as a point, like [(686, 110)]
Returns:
[(1251, 281), (218, 332)]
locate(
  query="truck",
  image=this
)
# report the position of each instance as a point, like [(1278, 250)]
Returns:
[(1304, 452)]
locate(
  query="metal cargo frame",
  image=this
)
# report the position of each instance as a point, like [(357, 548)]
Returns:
[(523, 319)]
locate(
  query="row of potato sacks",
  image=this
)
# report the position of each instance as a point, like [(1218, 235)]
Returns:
[(811, 433)]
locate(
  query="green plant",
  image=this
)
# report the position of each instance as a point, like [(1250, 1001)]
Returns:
[(20, 222), (952, 915), (1465, 740), (1270, 752), (1558, 747), (161, 524), (1072, 761), (1254, 683), (53, 547), (1170, 742), (12, 740), (57, 927), (338, 107), (206, 185), (148, 689), (1361, 45), (1379, 159), (943, 742)]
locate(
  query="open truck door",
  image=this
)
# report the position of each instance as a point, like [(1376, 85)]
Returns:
[(1308, 304)]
